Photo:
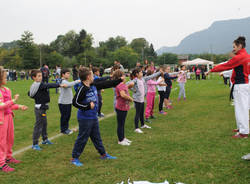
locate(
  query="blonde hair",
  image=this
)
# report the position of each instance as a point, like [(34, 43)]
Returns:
[(2, 71)]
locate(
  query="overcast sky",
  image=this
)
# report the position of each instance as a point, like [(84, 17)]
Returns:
[(161, 22)]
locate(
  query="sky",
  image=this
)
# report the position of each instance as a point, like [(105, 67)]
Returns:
[(161, 22)]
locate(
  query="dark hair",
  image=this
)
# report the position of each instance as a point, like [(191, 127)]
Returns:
[(84, 73), (95, 69), (1, 74), (117, 74), (65, 70), (136, 71), (182, 66), (241, 40), (149, 72), (34, 73)]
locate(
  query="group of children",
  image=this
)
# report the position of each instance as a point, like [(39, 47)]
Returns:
[(88, 101)]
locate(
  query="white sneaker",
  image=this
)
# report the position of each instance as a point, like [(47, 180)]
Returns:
[(123, 143), (127, 140), (145, 126), (138, 130)]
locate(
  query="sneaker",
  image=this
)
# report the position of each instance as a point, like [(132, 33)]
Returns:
[(243, 136), (162, 112), (12, 161), (6, 168), (101, 115), (129, 141), (107, 157), (152, 117), (47, 141), (76, 162), (124, 143), (147, 120), (138, 130), (36, 147), (184, 98), (235, 130), (68, 132), (246, 157), (146, 126)]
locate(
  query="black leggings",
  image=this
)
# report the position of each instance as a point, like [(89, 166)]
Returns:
[(139, 109), (162, 95), (121, 118)]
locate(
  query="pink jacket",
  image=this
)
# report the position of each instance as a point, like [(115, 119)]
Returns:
[(151, 85), (5, 105)]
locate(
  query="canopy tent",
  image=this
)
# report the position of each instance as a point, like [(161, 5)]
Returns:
[(199, 61)]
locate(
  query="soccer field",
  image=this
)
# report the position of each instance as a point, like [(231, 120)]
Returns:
[(191, 144)]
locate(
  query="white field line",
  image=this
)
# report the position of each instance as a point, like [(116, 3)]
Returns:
[(76, 128)]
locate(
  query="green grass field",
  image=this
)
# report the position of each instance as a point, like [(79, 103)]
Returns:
[(192, 144)]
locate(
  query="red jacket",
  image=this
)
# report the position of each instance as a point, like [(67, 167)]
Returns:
[(239, 64)]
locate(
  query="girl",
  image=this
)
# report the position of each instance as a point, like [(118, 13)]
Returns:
[(7, 104), (240, 89), (139, 89), (150, 97), (121, 107), (161, 91), (182, 79)]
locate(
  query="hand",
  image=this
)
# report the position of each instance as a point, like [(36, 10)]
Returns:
[(23, 107), (102, 90), (207, 73), (78, 81), (131, 99), (63, 85), (16, 97), (123, 78), (92, 105)]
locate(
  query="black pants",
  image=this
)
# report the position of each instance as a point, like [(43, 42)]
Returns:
[(99, 104), (139, 114), (161, 93), (198, 77), (88, 128), (40, 126), (167, 92), (65, 110), (121, 118)]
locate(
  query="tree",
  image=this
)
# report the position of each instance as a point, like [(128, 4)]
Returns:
[(113, 44), (54, 58), (167, 58), (10, 59)]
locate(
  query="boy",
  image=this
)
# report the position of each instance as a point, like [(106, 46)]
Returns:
[(65, 101), (40, 92), (86, 100)]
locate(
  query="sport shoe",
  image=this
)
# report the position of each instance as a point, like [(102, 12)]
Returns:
[(152, 117), (101, 115), (107, 157), (138, 130), (6, 168), (12, 161), (146, 126), (235, 130), (36, 147), (162, 112), (124, 143), (76, 162), (147, 120), (68, 132), (47, 141), (127, 140), (246, 157), (239, 135)]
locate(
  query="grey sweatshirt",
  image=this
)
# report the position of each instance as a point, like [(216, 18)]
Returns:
[(66, 95)]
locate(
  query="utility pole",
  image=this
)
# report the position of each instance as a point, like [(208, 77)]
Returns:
[(40, 55)]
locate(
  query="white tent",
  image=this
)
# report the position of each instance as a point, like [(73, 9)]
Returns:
[(199, 61)]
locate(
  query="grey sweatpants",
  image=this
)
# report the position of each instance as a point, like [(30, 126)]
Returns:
[(40, 126), (182, 90)]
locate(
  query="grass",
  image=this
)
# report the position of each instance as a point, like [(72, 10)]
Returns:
[(192, 144)]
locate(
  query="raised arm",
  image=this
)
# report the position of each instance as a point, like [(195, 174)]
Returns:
[(152, 76), (102, 79), (70, 84), (107, 84)]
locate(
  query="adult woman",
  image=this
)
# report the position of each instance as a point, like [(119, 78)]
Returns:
[(240, 89)]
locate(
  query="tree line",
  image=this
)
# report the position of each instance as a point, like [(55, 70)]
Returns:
[(77, 49)]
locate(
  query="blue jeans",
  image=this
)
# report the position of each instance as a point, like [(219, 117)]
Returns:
[(88, 128), (65, 110)]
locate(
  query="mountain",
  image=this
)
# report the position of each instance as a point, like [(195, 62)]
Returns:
[(217, 38), (8, 45)]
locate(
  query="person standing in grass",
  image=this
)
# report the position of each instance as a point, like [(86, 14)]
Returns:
[(65, 101), (182, 79), (168, 80), (86, 100), (39, 91), (240, 88), (161, 91), (7, 104), (149, 113), (139, 89), (122, 107)]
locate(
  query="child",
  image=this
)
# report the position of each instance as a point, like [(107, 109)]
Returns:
[(139, 89), (182, 79), (65, 101), (161, 91), (122, 107), (58, 80), (150, 97), (40, 92), (86, 100), (168, 80), (7, 104)]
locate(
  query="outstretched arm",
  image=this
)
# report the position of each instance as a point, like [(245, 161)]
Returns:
[(107, 84)]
